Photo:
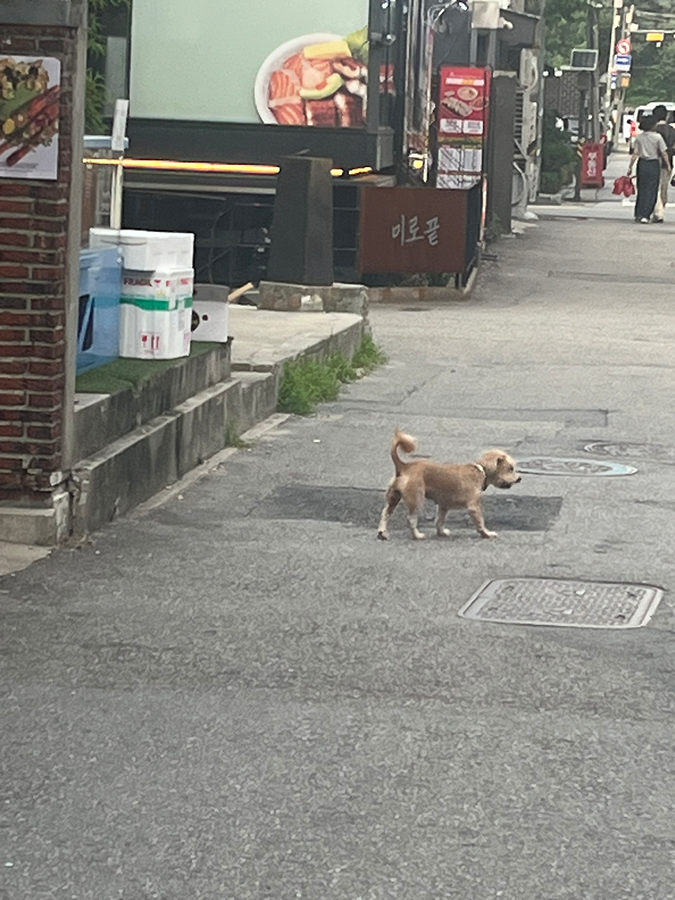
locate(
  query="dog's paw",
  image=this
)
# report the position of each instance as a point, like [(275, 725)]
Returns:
[(418, 536), (383, 535), (489, 534), (443, 532)]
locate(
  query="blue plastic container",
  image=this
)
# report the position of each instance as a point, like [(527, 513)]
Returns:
[(98, 325)]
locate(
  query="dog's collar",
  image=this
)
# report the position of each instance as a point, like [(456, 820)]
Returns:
[(482, 471)]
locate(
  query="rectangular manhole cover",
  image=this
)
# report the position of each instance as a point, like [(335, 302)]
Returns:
[(563, 602), (363, 506)]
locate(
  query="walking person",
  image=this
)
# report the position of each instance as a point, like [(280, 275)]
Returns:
[(667, 132), (649, 151)]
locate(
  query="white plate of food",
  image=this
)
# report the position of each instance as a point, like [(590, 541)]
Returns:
[(313, 80)]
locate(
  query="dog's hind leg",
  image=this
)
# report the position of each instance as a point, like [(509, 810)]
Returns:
[(393, 500), (414, 508)]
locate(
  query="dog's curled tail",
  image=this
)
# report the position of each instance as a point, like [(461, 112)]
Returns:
[(407, 443)]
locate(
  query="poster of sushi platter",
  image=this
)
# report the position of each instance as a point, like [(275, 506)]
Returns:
[(30, 89)]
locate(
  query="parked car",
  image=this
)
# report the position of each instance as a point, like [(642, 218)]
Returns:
[(646, 110)]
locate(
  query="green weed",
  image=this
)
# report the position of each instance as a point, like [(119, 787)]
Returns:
[(308, 382), (233, 438), (369, 356), (305, 383)]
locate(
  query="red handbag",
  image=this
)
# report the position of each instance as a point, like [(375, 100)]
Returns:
[(624, 185)]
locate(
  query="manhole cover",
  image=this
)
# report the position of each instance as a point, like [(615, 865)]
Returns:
[(363, 506), (630, 449), (563, 602), (544, 465)]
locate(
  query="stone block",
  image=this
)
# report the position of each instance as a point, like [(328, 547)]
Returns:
[(347, 298)]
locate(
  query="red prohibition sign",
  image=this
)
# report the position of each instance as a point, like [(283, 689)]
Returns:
[(623, 47)]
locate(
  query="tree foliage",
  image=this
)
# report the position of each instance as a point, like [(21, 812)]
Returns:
[(96, 48), (566, 28), (653, 72)]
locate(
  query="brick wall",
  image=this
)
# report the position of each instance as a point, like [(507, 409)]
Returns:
[(33, 257)]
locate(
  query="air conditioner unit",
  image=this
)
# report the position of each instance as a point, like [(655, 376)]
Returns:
[(525, 131), (528, 75), (584, 60)]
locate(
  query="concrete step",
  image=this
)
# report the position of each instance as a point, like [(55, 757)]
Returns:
[(140, 437), (132, 392), (131, 469)]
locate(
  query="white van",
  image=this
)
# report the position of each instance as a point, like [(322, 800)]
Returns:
[(639, 114)]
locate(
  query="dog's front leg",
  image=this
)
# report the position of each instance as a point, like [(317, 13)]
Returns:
[(440, 519), (476, 514)]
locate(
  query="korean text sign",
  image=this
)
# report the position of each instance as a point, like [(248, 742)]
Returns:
[(410, 230), (592, 164)]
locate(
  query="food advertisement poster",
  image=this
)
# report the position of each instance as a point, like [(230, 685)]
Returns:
[(462, 124), (29, 117), (273, 61)]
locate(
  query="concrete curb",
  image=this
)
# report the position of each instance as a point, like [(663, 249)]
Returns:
[(413, 295)]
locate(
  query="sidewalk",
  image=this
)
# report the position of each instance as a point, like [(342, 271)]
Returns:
[(602, 203), (243, 694)]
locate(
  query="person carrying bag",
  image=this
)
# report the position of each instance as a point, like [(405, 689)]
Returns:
[(649, 152)]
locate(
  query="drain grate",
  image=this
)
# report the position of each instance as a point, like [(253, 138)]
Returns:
[(545, 465), (631, 449), (563, 602)]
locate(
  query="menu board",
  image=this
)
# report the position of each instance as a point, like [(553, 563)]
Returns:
[(463, 108)]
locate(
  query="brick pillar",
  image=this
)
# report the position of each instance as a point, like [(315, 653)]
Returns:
[(39, 271)]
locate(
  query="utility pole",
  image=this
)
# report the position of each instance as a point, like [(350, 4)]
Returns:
[(594, 97), (626, 22), (617, 17)]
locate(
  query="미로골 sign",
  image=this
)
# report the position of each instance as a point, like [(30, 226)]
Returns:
[(410, 230)]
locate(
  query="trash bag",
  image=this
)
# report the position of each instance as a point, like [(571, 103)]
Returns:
[(624, 185)]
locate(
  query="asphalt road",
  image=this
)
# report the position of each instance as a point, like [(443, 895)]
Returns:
[(242, 694)]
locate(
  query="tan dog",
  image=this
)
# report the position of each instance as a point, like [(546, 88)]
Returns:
[(449, 486)]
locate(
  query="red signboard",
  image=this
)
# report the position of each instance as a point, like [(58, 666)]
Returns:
[(592, 164), (409, 230), (462, 125), (464, 100)]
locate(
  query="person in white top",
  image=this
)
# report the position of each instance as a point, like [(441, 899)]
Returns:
[(650, 154)]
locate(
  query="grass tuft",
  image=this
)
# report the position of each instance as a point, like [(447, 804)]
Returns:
[(369, 356), (233, 438), (308, 382)]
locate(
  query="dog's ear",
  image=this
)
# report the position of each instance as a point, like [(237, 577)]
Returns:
[(501, 460), (490, 461)]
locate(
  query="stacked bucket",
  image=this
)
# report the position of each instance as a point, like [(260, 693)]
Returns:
[(157, 291)]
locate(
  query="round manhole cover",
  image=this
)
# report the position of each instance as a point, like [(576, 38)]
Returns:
[(630, 449), (545, 465)]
